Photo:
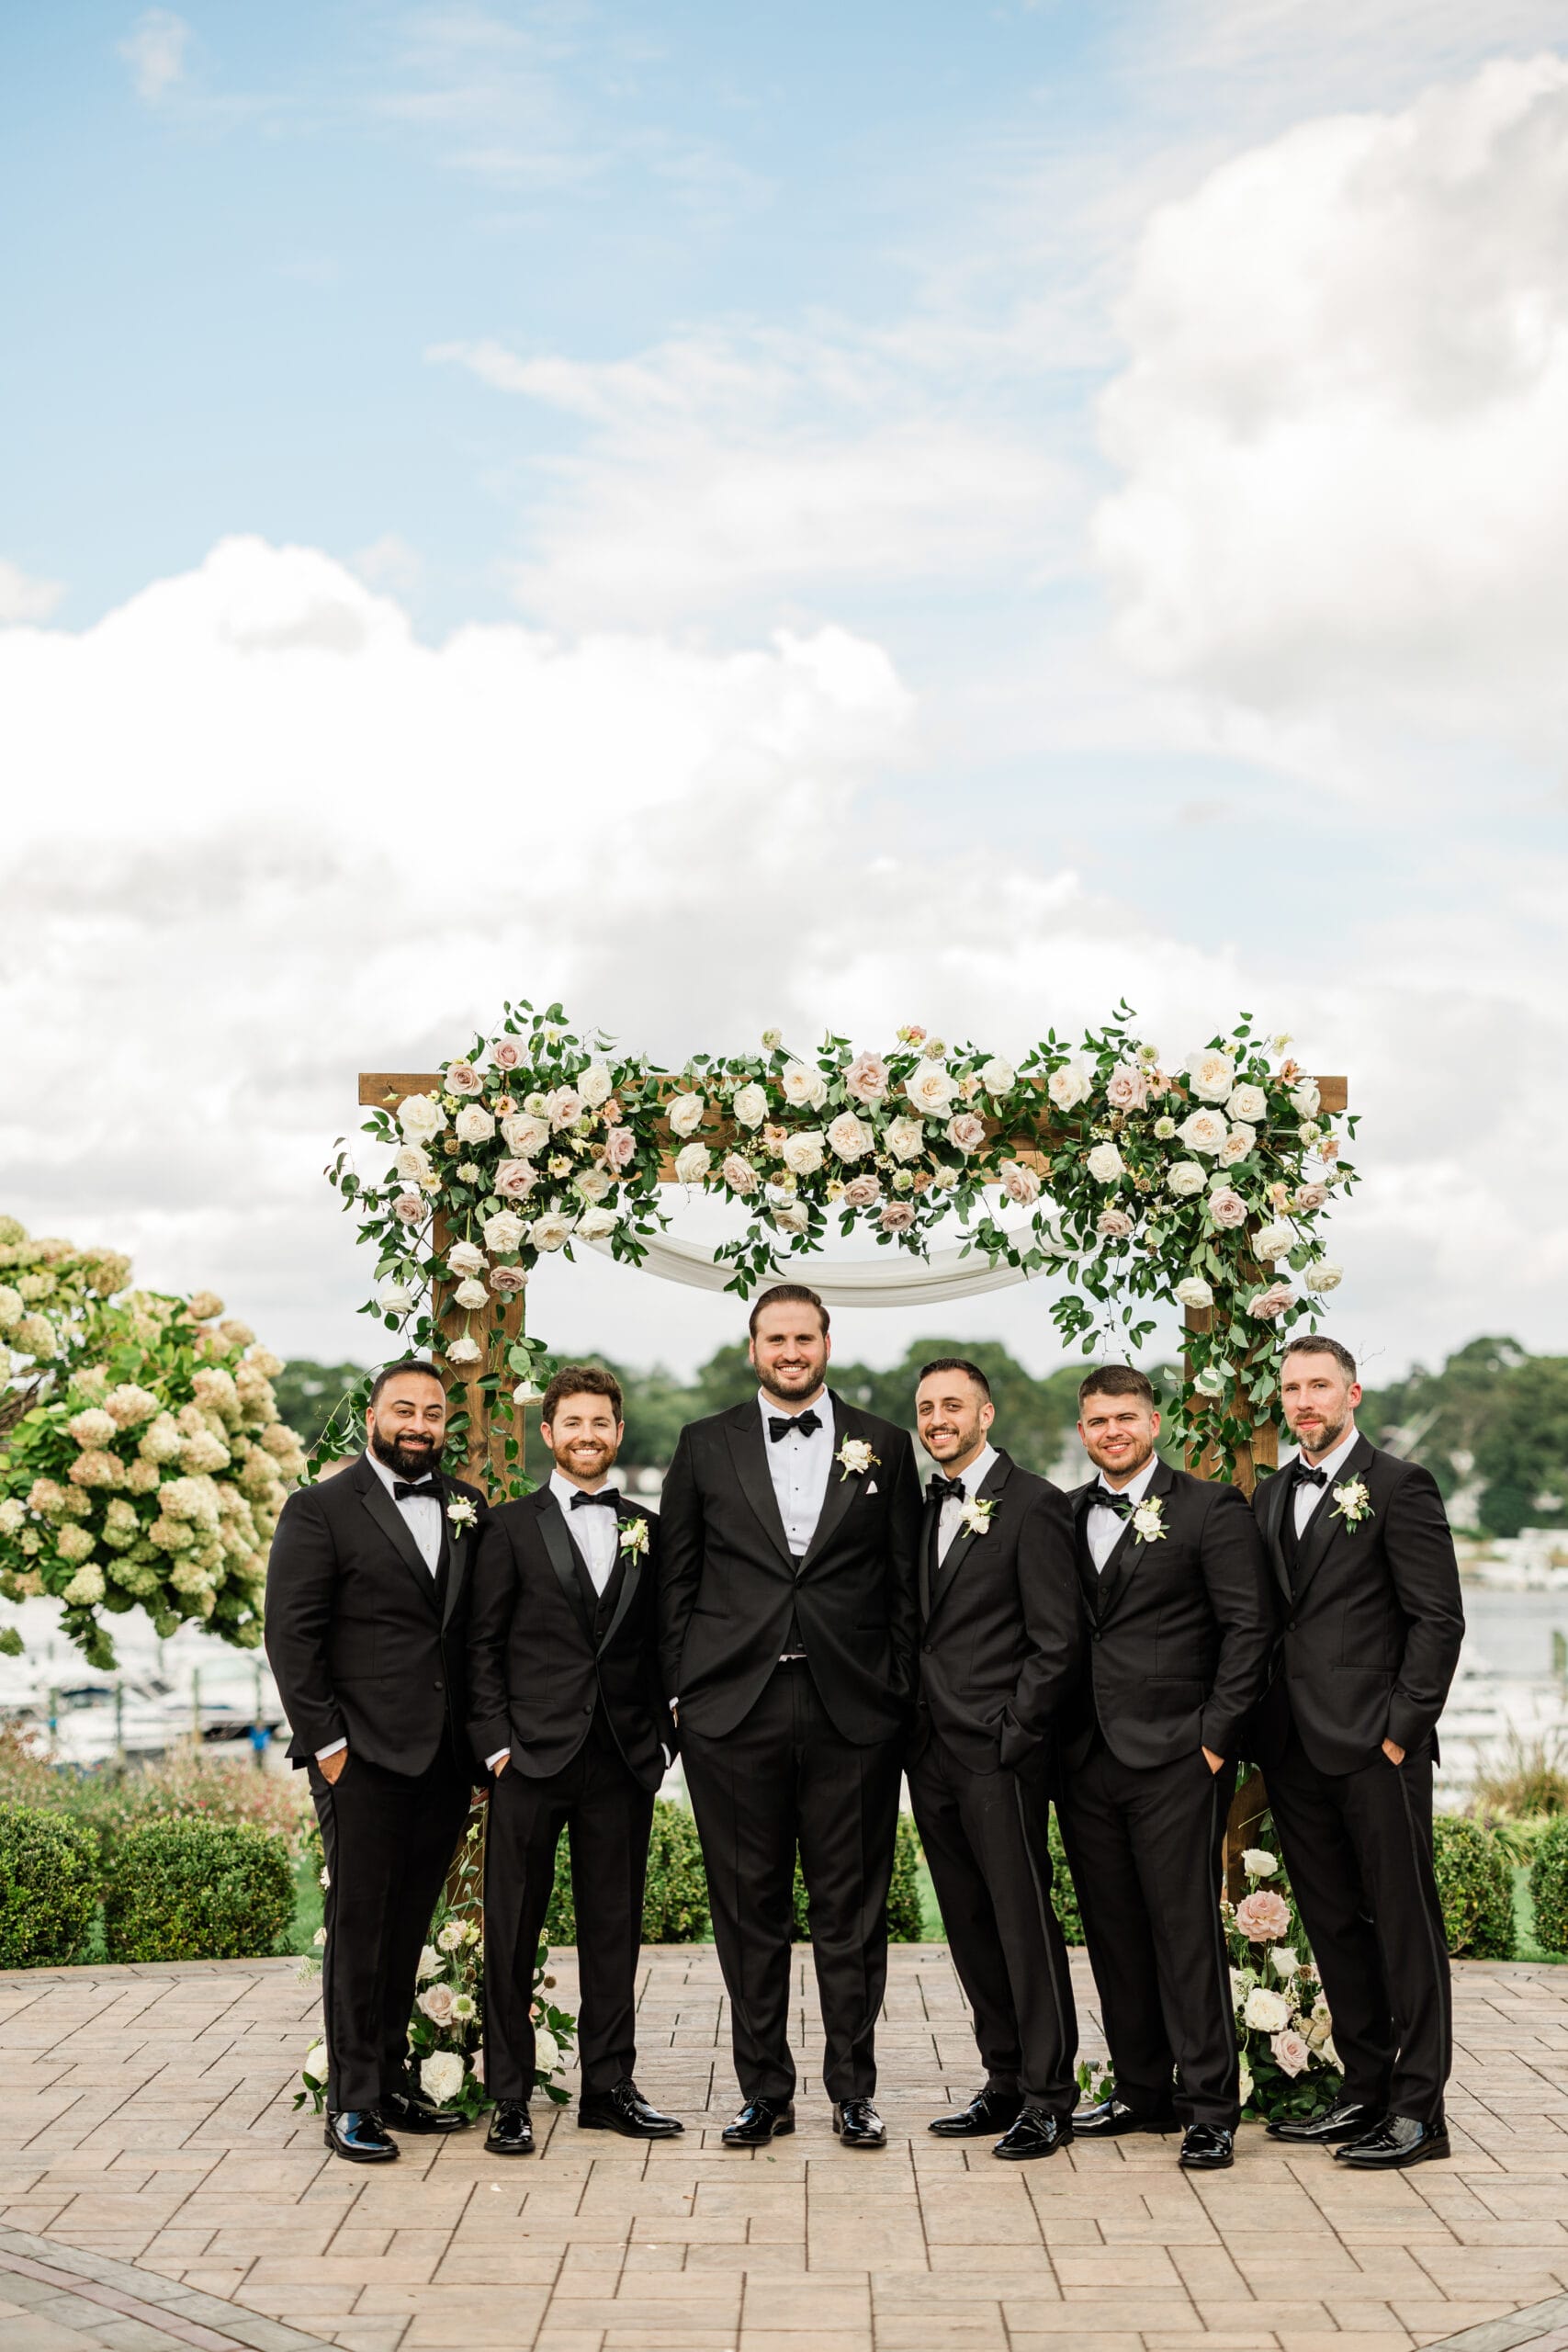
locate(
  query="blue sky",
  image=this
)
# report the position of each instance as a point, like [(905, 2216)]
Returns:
[(1069, 498)]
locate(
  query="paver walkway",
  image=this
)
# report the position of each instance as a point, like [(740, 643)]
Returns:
[(148, 2153)]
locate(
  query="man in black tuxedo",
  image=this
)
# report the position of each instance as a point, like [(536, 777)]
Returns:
[(1000, 1646), (788, 1528), (567, 1715), (1347, 1737), (366, 1619), (1180, 1623)]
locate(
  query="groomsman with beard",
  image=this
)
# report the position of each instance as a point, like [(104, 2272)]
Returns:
[(1347, 1737), (788, 1529), (1000, 1646), (1181, 1624), (567, 1714), (366, 1616)]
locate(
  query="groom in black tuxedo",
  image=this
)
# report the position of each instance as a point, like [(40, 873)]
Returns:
[(1000, 1646), (1180, 1623), (567, 1715), (366, 1617), (1347, 1737), (788, 1529)]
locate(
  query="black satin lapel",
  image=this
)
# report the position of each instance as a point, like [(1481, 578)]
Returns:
[(928, 1523), (844, 1485), (1088, 1582), (1123, 1565), (459, 1551), (958, 1551), (563, 1559), (1275, 1506), (1326, 1522), (748, 1447), (631, 1574), (395, 1528)]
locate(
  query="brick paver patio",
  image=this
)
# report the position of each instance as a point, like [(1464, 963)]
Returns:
[(159, 2191)]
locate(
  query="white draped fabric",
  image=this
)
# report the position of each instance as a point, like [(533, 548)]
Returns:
[(900, 1280)]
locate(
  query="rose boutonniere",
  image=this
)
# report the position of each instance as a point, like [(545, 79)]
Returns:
[(855, 1458), (462, 1511), (1352, 1503), (634, 1536), (1148, 1520), (975, 1516)]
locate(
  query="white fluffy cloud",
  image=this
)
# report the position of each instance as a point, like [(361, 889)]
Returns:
[(154, 50), (24, 598), (1344, 426)]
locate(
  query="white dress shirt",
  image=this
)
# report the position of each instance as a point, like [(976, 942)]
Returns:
[(1306, 1499), (422, 1515), (595, 1529), (951, 1517), (1104, 1529), (799, 1467)]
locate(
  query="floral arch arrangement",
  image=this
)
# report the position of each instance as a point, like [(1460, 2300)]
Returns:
[(1203, 1184)]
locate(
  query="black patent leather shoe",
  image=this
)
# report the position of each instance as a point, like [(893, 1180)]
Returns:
[(1398, 2141), (1206, 2148), (624, 2108), (986, 2112), (1112, 2117), (1037, 2132), (858, 2124), (355, 2135), (511, 2132), (401, 2112), (1348, 2118), (759, 2120)]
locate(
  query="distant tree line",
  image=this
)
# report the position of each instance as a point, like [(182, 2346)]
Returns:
[(1492, 1427)]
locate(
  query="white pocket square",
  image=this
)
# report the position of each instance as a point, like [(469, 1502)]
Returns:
[(871, 1485)]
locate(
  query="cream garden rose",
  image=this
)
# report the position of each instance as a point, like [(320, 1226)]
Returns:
[(803, 1088), (685, 1114), (691, 1163), (932, 1091), (421, 1118), (848, 1138), (866, 1079), (905, 1138), (1105, 1164), (1184, 1178), (1203, 1131), (803, 1152), (473, 1123), (1212, 1073), (749, 1104)]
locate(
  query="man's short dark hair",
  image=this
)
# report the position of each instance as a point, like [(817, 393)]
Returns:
[(1118, 1380), (788, 1295), (1318, 1344), (407, 1363), (957, 1364), (582, 1380)]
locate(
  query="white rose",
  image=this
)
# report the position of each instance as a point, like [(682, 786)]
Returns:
[(1248, 1103), (429, 1965), (1272, 1241), (1205, 1131), (441, 2075), (1258, 1862), (997, 1076), (850, 1138), (504, 1232), (463, 1350), (473, 1123), (471, 1293), (685, 1114), (1194, 1291), (1236, 1145), (595, 1085), (421, 1118), (413, 1163), (1184, 1178), (1285, 1961), (1265, 2011), (1068, 1086), (691, 1163), (548, 1232), (790, 1218), (905, 1138), (1212, 1075), (547, 2050), (599, 1223), (593, 1184), (1244, 2087), (1305, 1099), (316, 2062), (1105, 1164), (803, 1153), (526, 1132), (932, 1091), (750, 1104), (806, 1088), (1322, 1277), (464, 1259)]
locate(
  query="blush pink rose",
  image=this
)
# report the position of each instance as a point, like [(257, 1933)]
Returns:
[(516, 1179), (1128, 1088), (967, 1133), (462, 1078), (1311, 1196), (409, 1209), (1020, 1184), (620, 1147), (737, 1173), (897, 1218), (436, 2003), (507, 1281), (1115, 1224), (1263, 1916), (1273, 1301), (1227, 1208), (563, 1106), (862, 1192), (866, 1077), (1291, 2053), (506, 1053)]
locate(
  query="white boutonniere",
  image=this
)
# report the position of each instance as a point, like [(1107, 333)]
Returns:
[(1352, 1503), (856, 1458), (1148, 1520), (634, 1536), (975, 1516), (462, 1512)]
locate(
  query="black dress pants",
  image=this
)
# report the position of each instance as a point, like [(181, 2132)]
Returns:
[(984, 1836), (607, 1815), (388, 1839), (784, 1777), (1145, 1851), (1358, 1848)]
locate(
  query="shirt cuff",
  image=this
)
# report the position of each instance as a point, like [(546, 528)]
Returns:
[(322, 1753), (492, 1761)]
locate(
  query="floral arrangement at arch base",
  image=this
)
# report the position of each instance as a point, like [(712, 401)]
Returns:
[(1199, 1182), (143, 1463), (1284, 2030)]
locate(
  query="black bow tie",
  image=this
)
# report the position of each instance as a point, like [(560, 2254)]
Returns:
[(945, 1490), (403, 1487), (1121, 1504), (1305, 1478), (781, 1424), (581, 1500)]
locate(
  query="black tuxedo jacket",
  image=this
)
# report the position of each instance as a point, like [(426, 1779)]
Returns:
[(1179, 1628), (546, 1652), (363, 1643), (726, 1580), (1372, 1631), (1001, 1631)]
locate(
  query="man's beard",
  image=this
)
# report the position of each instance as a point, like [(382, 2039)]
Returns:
[(1124, 1471), (1323, 1440), (969, 1442), (573, 1463), (806, 1383), (411, 1458)]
